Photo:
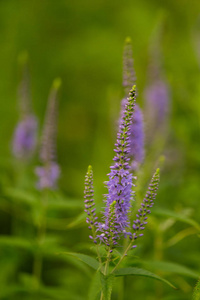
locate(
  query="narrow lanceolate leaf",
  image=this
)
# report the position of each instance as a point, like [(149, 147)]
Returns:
[(141, 272), (95, 287), (196, 295), (172, 268), (88, 260), (107, 283), (176, 216)]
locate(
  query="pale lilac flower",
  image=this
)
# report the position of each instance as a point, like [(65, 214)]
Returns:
[(157, 106), (129, 77), (25, 135), (48, 175), (156, 94), (137, 126), (49, 172)]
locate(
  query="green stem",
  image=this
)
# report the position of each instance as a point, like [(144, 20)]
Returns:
[(101, 296), (38, 258), (124, 254)]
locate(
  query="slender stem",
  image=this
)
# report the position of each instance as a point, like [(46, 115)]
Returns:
[(98, 254), (124, 254), (38, 258), (101, 296)]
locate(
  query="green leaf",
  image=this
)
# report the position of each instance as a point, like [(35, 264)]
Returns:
[(65, 205), (82, 217), (15, 242), (140, 272), (95, 287), (89, 260), (176, 216), (172, 268), (23, 196), (79, 220), (58, 201), (196, 295), (107, 283)]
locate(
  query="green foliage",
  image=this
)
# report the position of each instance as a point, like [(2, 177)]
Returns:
[(95, 287), (141, 272), (196, 294), (171, 268), (83, 45), (89, 260), (107, 284)]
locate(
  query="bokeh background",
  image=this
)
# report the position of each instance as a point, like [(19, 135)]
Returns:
[(82, 42)]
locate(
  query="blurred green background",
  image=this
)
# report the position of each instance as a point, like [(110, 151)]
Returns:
[(82, 42)]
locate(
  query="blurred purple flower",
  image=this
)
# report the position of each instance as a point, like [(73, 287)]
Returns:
[(157, 106), (137, 126), (129, 77), (137, 139), (49, 173), (25, 137)]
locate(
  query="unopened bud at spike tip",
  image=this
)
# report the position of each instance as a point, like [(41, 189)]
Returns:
[(57, 83)]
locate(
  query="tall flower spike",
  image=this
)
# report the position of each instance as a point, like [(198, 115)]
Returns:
[(25, 135), (144, 210), (49, 173), (129, 77), (157, 93), (120, 181), (89, 204), (137, 127)]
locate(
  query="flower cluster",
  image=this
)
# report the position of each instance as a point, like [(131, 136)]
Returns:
[(137, 126), (49, 173), (115, 222), (144, 210), (157, 93), (157, 104), (137, 139), (25, 135), (129, 77), (120, 183)]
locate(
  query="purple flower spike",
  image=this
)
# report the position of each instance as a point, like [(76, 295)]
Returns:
[(137, 139), (89, 203), (48, 176), (148, 202), (129, 77), (120, 182), (49, 172), (25, 138), (157, 92), (157, 106), (25, 135), (137, 127)]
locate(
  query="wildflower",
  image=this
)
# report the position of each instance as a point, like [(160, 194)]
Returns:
[(142, 215), (156, 94), (89, 204), (25, 135), (157, 105), (120, 182), (129, 77), (49, 172), (137, 126)]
